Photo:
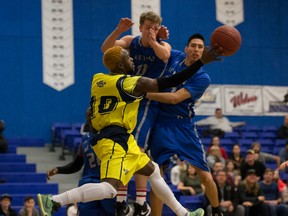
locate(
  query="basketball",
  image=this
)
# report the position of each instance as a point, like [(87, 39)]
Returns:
[(228, 37)]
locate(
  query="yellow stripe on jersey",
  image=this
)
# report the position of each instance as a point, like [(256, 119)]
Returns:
[(112, 102)]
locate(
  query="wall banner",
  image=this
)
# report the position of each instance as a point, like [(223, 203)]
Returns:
[(242, 100), (58, 43), (210, 100), (140, 6), (230, 12), (275, 100)]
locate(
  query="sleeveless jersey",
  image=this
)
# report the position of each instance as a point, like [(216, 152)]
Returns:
[(91, 162), (112, 101), (145, 61)]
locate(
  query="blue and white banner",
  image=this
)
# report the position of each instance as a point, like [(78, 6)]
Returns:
[(58, 43), (140, 6)]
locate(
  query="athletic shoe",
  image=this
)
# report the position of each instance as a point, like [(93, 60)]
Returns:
[(197, 212), (141, 210), (121, 209), (47, 205)]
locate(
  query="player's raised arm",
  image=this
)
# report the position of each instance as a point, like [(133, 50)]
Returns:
[(124, 25)]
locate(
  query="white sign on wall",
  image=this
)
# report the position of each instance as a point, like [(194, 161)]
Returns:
[(58, 43), (230, 12), (244, 100), (140, 6), (210, 100), (275, 100)]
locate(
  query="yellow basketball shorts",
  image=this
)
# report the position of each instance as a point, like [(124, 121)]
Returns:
[(118, 164)]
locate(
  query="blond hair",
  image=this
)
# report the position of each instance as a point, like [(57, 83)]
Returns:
[(151, 16), (112, 57)]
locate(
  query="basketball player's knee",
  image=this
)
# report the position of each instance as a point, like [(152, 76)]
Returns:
[(103, 190), (207, 180), (156, 171)]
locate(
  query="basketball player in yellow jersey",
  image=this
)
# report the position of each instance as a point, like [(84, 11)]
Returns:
[(114, 101)]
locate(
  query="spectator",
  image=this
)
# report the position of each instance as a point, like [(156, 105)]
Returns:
[(218, 166), (233, 172), (284, 193), (252, 163), (29, 207), (236, 156), (215, 141), (190, 183), (219, 124), (251, 196), (227, 197), (283, 130), (272, 195), (283, 154), (3, 141), (5, 207), (263, 156), (177, 171), (215, 156)]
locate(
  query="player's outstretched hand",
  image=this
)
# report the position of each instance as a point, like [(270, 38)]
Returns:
[(125, 24), (211, 54), (52, 172)]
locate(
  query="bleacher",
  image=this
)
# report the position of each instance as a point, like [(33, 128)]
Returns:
[(21, 178), (68, 136)]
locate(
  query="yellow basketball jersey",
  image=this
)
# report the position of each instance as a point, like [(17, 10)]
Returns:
[(112, 102)]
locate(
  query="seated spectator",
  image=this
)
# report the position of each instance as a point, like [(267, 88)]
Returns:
[(251, 196), (218, 166), (215, 141), (219, 124), (283, 154), (233, 172), (5, 206), (278, 180), (263, 156), (190, 183), (251, 163), (29, 207), (283, 130), (227, 197), (3, 141), (236, 156), (177, 171), (215, 155), (272, 195)]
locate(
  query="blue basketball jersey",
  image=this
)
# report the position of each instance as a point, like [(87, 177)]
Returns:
[(146, 62), (196, 85), (91, 162), (174, 132)]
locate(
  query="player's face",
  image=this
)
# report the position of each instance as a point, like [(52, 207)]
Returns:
[(146, 27), (128, 65), (194, 50)]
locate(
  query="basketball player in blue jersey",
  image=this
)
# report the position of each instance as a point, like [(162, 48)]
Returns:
[(150, 56), (115, 99), (91, 174), (175, 133)]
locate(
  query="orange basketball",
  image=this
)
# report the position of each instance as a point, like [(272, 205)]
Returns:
[(228, 37)]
